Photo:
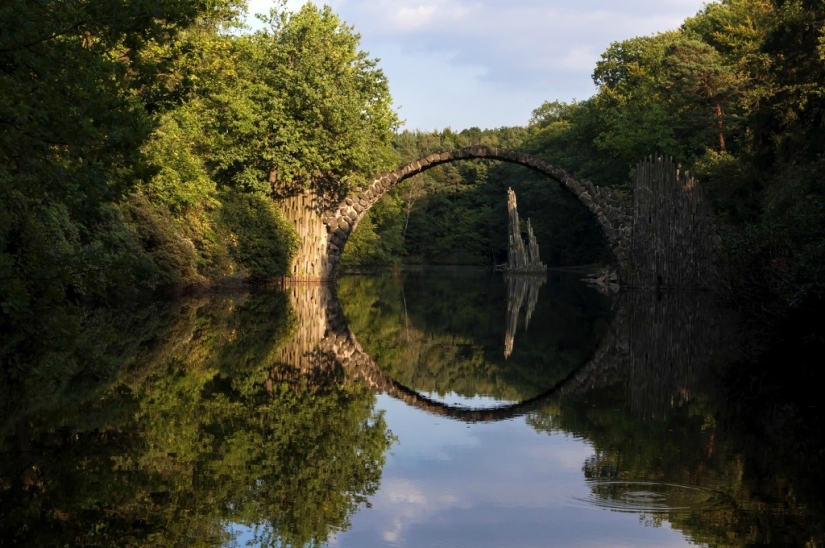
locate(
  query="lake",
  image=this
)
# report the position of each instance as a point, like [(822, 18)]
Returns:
[(447, 407)]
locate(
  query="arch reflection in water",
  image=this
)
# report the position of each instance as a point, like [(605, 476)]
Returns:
[(657, 345), (465, 350), (218, 418)]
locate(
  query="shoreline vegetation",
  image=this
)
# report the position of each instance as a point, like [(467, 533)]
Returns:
[(148, 152)]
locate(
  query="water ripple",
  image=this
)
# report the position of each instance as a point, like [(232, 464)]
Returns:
[(650, 497)]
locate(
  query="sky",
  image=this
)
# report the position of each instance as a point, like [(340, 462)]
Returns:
[(490, 63)]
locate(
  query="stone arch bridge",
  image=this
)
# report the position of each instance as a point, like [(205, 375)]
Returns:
[(660, 233)]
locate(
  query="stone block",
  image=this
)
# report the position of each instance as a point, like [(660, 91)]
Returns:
[(573, 186)]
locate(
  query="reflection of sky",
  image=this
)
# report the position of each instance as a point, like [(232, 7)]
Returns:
[(452, 484), (475, 402)]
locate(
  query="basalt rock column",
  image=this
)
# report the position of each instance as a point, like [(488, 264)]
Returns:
[(521, 258), (674, 234), (311, 261)]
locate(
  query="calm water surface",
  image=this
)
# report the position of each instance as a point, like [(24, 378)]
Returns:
[(450, 409)]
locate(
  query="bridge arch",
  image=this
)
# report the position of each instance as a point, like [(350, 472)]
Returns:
[(610, 207)]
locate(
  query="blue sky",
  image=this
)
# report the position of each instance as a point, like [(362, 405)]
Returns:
[(489, 63)]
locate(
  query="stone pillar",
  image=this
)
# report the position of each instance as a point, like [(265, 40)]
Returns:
[(311, 263)]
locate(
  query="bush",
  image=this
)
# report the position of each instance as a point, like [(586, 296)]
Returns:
[(163, 242), (257, 235)]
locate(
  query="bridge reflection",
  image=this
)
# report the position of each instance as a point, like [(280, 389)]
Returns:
[(657, 346)]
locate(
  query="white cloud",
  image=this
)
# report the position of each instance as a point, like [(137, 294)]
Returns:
[(488, 63), (404, 502)]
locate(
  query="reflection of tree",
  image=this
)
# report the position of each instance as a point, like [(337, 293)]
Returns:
[(195, 438), (669, 418), (520, 288)]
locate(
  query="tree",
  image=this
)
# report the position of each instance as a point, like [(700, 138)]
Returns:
[(78, 89), (701, 86), (306, 110)]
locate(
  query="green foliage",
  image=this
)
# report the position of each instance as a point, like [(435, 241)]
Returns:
[(193, 433), (669, 94), (173, 255), (293, 107), (74, 85), (735, 96), (182, 182), (261, 240), (142, 150)]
